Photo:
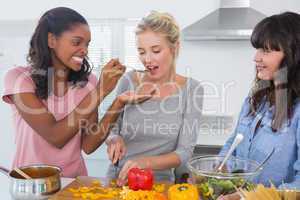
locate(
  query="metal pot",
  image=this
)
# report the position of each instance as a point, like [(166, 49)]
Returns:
[(45, 182)]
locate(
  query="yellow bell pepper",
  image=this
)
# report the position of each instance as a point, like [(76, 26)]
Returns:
[(183, 192)]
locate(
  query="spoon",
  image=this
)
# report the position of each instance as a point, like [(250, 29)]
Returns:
[(239, 137), (126, 66), (134, 69), (138, 70), (23, 174)]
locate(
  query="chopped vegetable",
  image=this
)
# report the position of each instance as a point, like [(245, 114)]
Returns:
[(159, 187), (213, 188), (97, 192), (128, 194)]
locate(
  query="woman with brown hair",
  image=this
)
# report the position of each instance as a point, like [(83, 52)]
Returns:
[(270, 115)]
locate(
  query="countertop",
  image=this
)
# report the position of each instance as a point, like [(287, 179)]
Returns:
[(4, 186)]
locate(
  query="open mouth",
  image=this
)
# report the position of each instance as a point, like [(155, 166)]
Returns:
[(152, 68), (260, 67), (78, 60)]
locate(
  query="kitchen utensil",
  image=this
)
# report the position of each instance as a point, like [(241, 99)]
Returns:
[(203, 167), (22, 173), (239, 172), (236, 142), (45, 181), (137, 70)]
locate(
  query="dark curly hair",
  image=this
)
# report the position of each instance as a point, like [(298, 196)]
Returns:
[(55, 21), (278, 32)]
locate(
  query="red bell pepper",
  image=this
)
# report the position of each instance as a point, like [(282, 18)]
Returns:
[(140, 179)]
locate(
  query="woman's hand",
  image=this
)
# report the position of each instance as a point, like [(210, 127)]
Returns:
[(134, 98), (110, 75), (116, 148), (141, 163), (233, 196)]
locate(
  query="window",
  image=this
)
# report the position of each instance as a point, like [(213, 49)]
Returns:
[(112, 38), (131, 58)]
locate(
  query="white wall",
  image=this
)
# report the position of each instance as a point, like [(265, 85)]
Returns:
[(186, 11), (270, 7), (226, 70), (214, 62)]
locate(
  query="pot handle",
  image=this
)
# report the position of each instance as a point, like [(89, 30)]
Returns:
[(5, 171)]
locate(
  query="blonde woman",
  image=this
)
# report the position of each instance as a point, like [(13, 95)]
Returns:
[(159, 134)]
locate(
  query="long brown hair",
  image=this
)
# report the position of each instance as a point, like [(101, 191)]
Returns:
[(279, 33)]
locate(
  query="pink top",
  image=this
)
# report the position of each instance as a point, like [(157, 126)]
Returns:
[(31, 148)]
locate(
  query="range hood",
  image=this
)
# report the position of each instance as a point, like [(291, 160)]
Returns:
[(234, 20)]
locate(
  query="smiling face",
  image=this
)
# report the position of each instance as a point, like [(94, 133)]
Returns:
[(69, 49), (267, 63), (156, 55)]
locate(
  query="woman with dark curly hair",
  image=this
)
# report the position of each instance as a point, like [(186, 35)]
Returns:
[(55, 99), (270, 115)]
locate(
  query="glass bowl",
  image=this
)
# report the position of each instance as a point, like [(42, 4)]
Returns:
[(205, 166), (236, 173)]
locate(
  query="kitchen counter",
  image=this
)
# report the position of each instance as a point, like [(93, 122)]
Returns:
[(4, 186), (202, 150)]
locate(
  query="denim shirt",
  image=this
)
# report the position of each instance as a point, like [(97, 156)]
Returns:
[(283, 168)]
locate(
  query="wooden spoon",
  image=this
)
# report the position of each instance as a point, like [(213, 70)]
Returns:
[(23, 174)]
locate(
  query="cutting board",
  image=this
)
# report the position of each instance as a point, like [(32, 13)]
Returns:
[(81, 181)]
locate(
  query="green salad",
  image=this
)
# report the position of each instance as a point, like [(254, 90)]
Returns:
[(213, 187)]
